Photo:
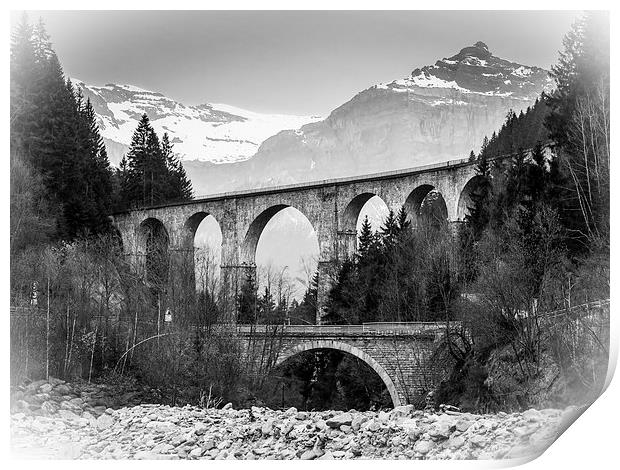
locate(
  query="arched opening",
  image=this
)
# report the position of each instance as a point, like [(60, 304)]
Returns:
[(476, 186), (364, 205), (285, 249), (329, 375), (207, 251), (426, 207), (155, 241)]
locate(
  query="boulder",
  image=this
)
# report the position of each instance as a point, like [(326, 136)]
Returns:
[(49, 407), (62, 389), (441, 430), (200, 429), (66, 414), (423, 447), (339, 420), (402, 411), (267, 427), (196, 452), (531, 414), (208, 444), (46, 388), (104, 422), (463, 425), (357, 422)]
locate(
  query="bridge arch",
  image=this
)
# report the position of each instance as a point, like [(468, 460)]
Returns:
[(472, 187), (347, 348), (353, 209), (426, 204), (356, 206), (250, 242), (257, 227), (348, 225), (206, 262)]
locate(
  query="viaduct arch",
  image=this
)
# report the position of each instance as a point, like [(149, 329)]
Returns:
[(399, 353), (347, 348), (331, 207)]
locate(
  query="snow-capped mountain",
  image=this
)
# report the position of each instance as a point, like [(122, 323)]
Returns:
[(216, 133), (438, 112)]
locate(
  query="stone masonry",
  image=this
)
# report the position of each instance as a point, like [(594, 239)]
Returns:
[(400, 357), (331, 206)]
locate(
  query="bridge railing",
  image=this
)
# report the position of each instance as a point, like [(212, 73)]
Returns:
[(364, 328), (338, 180)]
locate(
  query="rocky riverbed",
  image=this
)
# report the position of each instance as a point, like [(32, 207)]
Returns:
[(56, 420)]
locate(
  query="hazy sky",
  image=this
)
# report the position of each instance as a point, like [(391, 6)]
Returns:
[(289, 62)]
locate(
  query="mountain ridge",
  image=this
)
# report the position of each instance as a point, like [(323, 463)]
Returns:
[(438, 112), (214, 132)]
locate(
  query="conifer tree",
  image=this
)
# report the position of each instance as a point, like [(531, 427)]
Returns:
[(389, 229), (247, 301), (42, 46), (403, 220), (266, 307), (151, 173), (180, 186), (366, 238), (51, 133)]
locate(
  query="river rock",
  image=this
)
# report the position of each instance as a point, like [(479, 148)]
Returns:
[(104, 422), (402, 411), (340, 420), (462, 425), (157, 431), (423, 447)]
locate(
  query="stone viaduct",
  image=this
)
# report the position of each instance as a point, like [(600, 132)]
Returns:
[(331, 206), (398, 352)]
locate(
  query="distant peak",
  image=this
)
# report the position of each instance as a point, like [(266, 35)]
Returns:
[(479, 50), (482, 45)]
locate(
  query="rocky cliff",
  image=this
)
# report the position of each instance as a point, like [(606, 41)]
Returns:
[(438, 112)]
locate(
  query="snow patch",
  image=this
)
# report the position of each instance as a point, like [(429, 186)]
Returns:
[(133, 88), (218, 133), (522, 71)]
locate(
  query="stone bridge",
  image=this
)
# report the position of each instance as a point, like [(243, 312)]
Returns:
[(331, 206), (398, 352)]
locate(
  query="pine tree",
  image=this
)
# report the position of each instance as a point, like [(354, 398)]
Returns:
[(389, 229), (266, 307), (485, 144), (96, 168), (180, 186), (343, 299), (24, 70), (42, 46), (247, 301), (403, 220), (366, 238), (151, 173), (478, 214), (51, 133), (145, 167)]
